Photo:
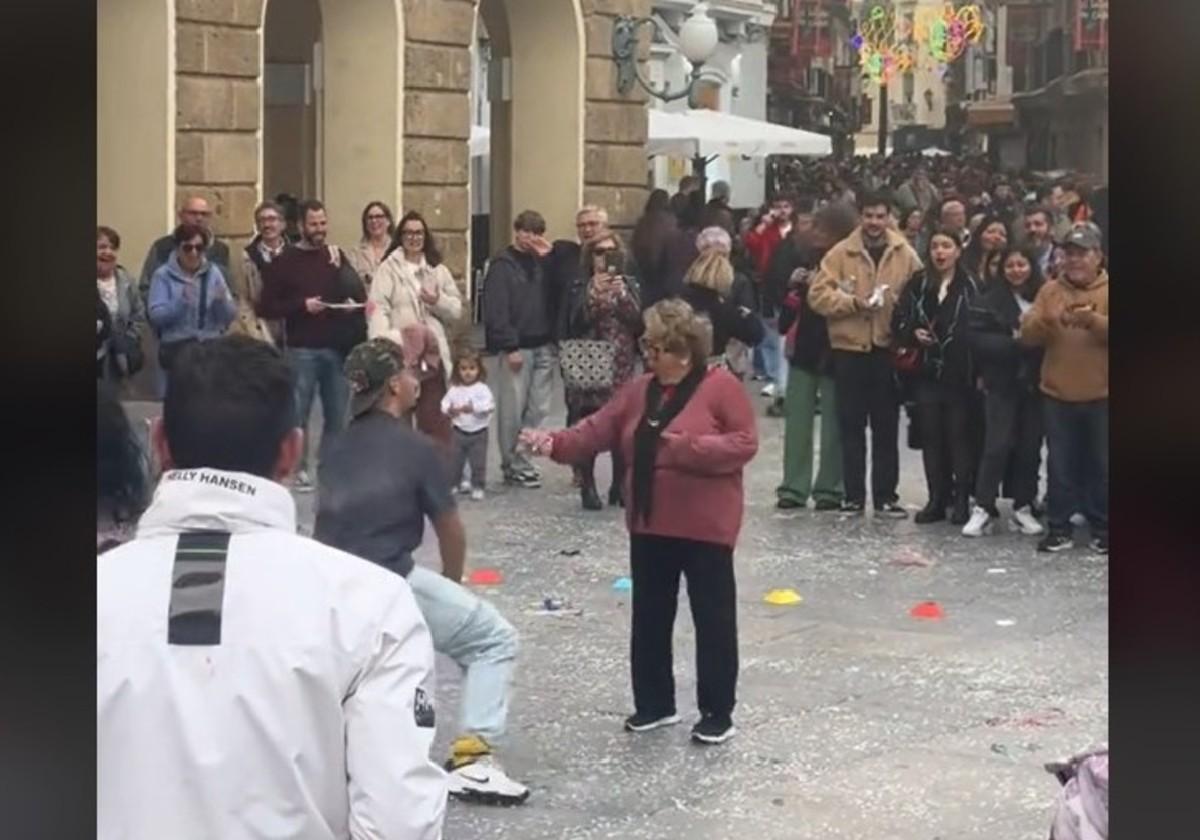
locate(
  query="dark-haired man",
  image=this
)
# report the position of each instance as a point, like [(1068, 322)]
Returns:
[(252, 682), (307, 287), (519, 341), (856, 288), (383, 520), (1039, 237)]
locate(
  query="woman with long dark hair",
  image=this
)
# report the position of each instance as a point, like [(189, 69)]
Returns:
[(1013, 429), (121, 472), (988, 241), (931, 319), (414, 288), (650, 246)]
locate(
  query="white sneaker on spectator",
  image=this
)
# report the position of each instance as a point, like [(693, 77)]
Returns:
[(302, 484), (1024, 521), (477, 494), (979, 524), (464, 488), (768, 390)]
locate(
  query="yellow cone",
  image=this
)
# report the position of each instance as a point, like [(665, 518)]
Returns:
[(783, 597)]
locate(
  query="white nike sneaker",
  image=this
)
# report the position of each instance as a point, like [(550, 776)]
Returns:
[(1024, 521), (485, 781), (980, 523)]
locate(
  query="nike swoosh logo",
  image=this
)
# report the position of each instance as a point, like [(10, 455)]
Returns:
[(483, 780)]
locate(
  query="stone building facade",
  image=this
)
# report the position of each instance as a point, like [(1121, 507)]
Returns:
[(180, 111)]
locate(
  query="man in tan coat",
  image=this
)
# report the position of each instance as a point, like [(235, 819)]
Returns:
[(1069, 318), (856, 289)]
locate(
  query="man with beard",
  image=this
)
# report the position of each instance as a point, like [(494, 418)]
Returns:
[(311, 287), (855, 289)]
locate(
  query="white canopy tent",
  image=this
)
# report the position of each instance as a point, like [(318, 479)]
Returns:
[(706, 133)]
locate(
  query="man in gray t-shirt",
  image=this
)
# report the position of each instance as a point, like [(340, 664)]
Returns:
[(380, 479)]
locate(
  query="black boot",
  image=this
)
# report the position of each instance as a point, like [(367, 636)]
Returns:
[(616, 497), (935, 511), (962, 508), (587, 488)]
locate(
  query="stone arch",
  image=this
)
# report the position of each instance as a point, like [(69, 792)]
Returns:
[(538, 130), (135, 122), (361, 77)]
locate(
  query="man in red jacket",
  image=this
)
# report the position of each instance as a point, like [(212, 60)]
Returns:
[(762, 242)]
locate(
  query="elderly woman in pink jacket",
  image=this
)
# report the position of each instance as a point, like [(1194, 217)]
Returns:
[(413, 287)]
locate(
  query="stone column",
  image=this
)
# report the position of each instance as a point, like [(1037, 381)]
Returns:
[(437, 122), (219, 109), (615, 164)]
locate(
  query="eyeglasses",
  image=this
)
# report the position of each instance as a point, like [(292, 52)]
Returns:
[(191, 248), (376, 217), (413, 234)]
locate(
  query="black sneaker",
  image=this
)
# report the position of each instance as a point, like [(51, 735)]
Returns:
[(787, 503), (1056, 542), (891, 510), (713, 729), (855, 508), (523, 479), (932, 512), (638, 722), (776, 409), (824, 505), (1099, 544)]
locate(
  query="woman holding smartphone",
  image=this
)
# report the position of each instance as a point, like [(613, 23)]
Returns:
[(603, 304), (931, 316)]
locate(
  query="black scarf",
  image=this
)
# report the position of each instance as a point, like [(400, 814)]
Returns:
[(645, 437)]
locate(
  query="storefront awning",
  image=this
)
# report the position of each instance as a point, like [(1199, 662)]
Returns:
[(994, 113), (707, 133)]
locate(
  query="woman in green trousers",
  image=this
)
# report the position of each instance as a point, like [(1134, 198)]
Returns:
[(810, 388)]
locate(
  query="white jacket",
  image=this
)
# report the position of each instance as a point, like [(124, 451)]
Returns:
[(396, 295), (305, 719)]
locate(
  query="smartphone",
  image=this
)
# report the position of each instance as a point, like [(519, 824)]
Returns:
[(613, 264)]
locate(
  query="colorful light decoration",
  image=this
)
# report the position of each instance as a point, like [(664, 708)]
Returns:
[(888, 45)]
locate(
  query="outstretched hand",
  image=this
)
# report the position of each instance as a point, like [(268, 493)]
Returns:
[(539, 441)]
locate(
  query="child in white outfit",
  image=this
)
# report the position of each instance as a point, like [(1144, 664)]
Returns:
[(469, 405)]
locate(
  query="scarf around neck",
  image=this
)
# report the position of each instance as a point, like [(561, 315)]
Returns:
[(655, 420)]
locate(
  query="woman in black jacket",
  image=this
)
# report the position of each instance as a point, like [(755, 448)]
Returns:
[(806, 343), (1013, 404), (725, 297), (931, 318)]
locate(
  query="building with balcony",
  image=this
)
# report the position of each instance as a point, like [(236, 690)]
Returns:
[(812, 72)]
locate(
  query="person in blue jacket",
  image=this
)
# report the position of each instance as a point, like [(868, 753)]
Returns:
[(189, 298)]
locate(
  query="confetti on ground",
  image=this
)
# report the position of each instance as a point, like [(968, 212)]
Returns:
[(622, 584), (485, 577), (1005, 622), (929, 610), (997, 571), (782, 597), (910, 558), (569, 552)]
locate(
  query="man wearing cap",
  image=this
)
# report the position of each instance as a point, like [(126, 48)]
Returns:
[(380, 480), (1069, 318)]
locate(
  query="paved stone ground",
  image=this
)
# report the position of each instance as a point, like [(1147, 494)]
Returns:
[(854, 719)]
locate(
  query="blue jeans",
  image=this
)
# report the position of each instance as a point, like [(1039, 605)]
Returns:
[(1077, 439), (471, 632), (775, 368), (321, 368)]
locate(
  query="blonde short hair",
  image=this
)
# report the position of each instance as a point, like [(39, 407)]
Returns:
[(674, 326), (596, 209), (711, 270)]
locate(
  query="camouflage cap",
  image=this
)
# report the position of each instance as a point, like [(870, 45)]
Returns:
[(368, 368)]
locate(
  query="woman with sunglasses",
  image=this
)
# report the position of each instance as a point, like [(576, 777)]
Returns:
[(413, 287), (189, 298), (603, 304)]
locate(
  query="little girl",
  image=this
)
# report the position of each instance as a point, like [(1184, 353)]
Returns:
[(469, 406)]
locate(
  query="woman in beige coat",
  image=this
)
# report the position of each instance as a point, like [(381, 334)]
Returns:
[(411, 287)]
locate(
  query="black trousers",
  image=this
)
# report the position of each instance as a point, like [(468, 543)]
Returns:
[(945, 439), (1012, 448), (587, 470), (655, 566), (867, 392)]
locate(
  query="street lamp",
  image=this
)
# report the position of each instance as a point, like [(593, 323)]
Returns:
[(697, 40)]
